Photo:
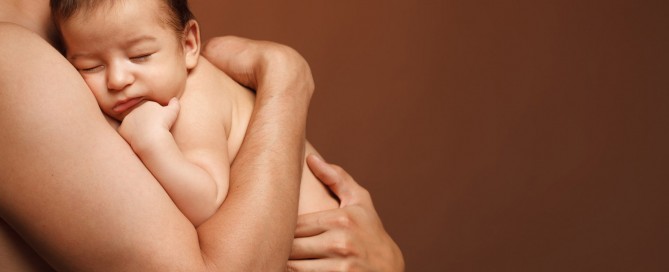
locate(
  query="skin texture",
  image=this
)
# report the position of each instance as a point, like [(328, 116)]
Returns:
[(354, 235), (122, 199), (135, 71), (119, 63), (84, 202), (351, 238)]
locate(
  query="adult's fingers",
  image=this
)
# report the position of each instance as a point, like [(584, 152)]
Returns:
[(313, 247), (313, 265), (255, 64), (326, 265), (315, 223), (331, 244), (236, 56), (339, 182), (324, 171)]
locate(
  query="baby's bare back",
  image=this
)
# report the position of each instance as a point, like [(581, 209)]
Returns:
[(214, 99)]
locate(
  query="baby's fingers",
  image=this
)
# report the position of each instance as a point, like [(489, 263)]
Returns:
[(171, 111)]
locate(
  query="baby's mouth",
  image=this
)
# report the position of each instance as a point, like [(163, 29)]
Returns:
[(125, 105)]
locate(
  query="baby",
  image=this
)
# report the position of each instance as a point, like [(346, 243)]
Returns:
[(183, 117)]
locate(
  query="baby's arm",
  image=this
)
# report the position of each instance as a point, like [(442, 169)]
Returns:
[(195, 185)]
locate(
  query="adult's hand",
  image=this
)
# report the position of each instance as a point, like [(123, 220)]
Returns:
[(266, 67), (351, 238)]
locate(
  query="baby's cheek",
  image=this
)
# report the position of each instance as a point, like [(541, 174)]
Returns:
[(99, 90)]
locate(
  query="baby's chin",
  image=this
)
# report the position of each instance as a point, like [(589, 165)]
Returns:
[(122, 116), (114, 116)]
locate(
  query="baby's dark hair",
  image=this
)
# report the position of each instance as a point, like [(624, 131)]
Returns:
[(178, 12)]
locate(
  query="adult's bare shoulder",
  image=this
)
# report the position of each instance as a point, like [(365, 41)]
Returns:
[(13, 34), (22, 49)]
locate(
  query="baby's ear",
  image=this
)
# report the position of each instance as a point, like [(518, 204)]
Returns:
[(191, 43)]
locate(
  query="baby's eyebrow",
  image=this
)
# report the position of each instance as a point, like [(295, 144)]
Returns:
[(75, 56), (140, 39), (129, 43)]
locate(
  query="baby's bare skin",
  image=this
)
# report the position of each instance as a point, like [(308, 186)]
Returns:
[(211, 93)]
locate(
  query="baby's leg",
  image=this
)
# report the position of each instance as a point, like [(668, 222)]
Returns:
[(314, 196)]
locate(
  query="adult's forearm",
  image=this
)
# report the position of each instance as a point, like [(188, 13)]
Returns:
[(260, 212)]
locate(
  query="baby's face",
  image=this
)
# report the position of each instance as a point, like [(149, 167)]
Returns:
[(126, 54)]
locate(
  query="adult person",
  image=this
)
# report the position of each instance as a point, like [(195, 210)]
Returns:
[(76, 194)]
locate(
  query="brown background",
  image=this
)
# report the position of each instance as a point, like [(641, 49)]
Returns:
[(493, 135)]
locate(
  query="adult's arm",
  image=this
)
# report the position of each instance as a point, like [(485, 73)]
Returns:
[(284, 85), (351, 238), (77, 194)]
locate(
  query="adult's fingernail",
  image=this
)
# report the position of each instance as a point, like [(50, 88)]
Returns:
[(317, 158)]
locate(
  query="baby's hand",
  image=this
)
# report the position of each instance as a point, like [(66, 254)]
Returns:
[(149, 123)]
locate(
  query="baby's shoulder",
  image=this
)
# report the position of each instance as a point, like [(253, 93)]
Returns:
[(206, 93)]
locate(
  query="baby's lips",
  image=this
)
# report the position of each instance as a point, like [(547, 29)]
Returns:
[(123, 106)]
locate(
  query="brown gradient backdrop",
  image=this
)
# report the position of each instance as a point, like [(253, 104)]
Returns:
[(493, 135)]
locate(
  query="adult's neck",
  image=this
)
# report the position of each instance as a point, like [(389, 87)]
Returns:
[(31, 14)]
